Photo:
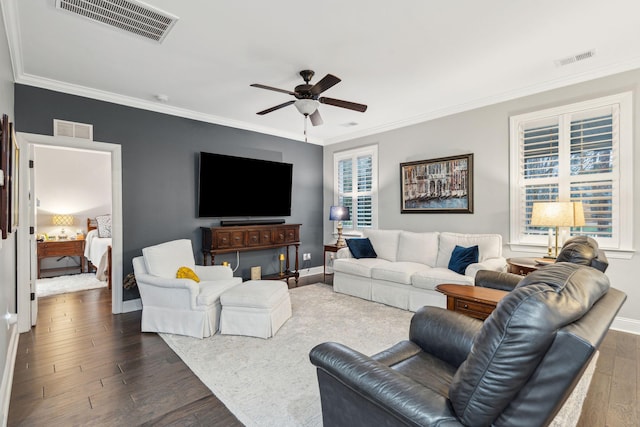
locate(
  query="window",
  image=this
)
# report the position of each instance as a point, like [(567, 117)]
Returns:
[(578, 152), (356, 186)]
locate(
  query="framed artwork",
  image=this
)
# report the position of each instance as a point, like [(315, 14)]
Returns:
[(443, 185), (15, 178), (4, 165)]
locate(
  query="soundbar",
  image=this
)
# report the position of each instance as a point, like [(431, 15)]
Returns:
[(232, 222)]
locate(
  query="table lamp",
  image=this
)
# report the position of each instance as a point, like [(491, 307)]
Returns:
[(339, 213), (62, 220), (557, 214)]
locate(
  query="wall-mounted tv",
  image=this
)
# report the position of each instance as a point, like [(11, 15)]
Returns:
[(230, 186)]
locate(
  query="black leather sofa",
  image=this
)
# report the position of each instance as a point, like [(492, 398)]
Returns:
[(516, 368)]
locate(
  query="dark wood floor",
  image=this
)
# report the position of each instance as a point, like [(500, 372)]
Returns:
[(81, 365)]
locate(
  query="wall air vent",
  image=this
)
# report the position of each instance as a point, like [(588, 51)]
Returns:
[(575, 58), (129, 15), (72, 129)]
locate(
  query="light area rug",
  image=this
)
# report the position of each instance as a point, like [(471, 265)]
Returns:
[(71, 283), (271, 382)]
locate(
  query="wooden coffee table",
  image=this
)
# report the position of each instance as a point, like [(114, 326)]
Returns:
[(474, 301)]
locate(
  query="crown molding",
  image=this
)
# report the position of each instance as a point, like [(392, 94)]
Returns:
[(494, 99), (58, 86), (12, 28), (87, 92), (13, 35)]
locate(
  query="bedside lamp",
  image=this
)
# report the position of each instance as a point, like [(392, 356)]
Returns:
[(62, 220), (557, 214), (339, 213)]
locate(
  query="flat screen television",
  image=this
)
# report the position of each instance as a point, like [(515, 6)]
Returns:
[(230, 186)]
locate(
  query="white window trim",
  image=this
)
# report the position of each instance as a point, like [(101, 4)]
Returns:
[(625, 213), (350, 154)]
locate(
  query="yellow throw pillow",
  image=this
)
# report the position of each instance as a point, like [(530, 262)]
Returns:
[(187, 273)]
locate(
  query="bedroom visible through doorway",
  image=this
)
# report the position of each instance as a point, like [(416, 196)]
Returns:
[(72, 189)]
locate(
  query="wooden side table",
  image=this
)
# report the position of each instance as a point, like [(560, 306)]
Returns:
[(474, 301), (61, 248), (328, 249), (524, 266)]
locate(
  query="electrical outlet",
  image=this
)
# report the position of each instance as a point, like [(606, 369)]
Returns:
[(306, 257)]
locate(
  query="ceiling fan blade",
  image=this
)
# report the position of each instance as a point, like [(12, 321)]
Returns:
[(277, 107), (315, 118), (327, 82), (344, 104), (258, 85)]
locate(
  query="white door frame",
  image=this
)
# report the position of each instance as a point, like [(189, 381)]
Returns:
[(24, 262)]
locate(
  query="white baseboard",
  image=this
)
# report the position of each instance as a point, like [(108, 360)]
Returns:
[(311, 271), (7, 376), (131, 305), (624, 324)]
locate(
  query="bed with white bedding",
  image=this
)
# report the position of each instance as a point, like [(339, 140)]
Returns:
[(97, 251)]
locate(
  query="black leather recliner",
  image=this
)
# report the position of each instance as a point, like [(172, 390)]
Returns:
[(514, 369), (581, 250)]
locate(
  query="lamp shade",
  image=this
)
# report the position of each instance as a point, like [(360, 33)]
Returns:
[(62, 219), (339, 213), (557, 214)]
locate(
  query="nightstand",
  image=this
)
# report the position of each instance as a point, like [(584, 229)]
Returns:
[(61, 248), (331, 250)]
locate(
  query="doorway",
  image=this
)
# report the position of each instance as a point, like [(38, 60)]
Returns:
[(26, 241), (71, 189)]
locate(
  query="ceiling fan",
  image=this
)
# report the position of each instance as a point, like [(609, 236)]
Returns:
[(308, 97)]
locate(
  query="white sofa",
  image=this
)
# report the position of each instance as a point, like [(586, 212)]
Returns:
[(409, 265)]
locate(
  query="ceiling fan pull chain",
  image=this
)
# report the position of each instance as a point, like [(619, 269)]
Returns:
[(305, 127)]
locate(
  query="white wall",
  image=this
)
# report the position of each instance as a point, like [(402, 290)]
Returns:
[(485, 133), (69, 181), (7, 247)]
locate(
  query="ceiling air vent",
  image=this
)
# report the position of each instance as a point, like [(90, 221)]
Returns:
[(575, 58), (72, 129), (128, 15)]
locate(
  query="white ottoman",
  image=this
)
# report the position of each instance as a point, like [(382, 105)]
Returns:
[(256, 308)]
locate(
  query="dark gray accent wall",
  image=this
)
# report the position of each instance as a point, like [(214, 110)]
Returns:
[(160, 166)]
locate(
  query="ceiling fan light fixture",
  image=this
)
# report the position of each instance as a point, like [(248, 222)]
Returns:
[(306, 106)]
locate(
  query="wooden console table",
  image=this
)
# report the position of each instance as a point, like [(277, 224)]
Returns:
[(474, 301), (240, 238), (60, 248)]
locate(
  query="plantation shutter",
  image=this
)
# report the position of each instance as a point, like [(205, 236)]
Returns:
[(345, 188), (356, 185), (364, 208), (594, 151), (539, 162), (573, 156)]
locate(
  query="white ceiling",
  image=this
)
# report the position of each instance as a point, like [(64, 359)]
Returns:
[(409, 61)]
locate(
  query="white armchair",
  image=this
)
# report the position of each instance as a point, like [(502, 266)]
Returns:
[(180, 306)]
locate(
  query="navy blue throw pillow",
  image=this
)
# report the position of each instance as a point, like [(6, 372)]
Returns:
[(361, 248), (462, 257)]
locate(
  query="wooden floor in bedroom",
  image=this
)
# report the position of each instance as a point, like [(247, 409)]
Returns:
[(82, 365)]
